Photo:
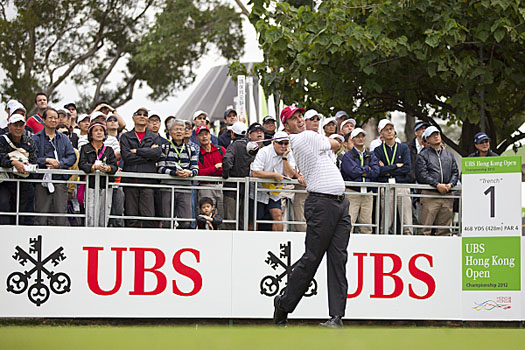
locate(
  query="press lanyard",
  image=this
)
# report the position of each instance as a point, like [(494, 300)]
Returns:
[(393, 154), (362, 163), (177, 151)]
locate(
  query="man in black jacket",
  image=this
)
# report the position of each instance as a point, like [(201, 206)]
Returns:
[(236, 163), (482, 144), (140, 151), (437, 167)]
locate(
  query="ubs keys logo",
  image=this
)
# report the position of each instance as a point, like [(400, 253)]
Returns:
[(38, 293), (270, 285)]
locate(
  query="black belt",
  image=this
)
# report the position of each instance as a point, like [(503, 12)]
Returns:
[(337, 197)]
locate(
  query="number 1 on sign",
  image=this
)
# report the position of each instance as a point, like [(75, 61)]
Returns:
[(492, 192)]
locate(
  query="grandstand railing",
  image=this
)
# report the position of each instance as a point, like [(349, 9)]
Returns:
[(251, 189)]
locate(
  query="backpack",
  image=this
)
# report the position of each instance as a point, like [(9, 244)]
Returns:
[(201, 157)]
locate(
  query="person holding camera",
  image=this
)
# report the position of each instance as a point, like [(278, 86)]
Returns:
[(360, 165)]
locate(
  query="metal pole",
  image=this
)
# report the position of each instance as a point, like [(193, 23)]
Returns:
[(246, 203), (172, 211), (386, 208), (17, 217), (96, 198)]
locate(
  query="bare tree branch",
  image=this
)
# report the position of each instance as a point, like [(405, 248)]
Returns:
[(103, 77), (130, 87), (244, 10)]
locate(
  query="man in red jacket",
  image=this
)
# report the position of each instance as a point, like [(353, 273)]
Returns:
[(210, 164)]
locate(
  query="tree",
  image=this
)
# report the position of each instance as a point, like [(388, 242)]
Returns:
[(109, 47), (462, 61)]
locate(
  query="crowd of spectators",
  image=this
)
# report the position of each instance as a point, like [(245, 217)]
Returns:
[(99, 141)]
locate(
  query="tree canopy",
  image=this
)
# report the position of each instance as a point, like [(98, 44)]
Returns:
[(456, 60), (107, 48)]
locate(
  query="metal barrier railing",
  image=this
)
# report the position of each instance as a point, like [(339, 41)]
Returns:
[(382, 193)]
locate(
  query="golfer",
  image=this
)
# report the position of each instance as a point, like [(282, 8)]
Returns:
[(328, 223)]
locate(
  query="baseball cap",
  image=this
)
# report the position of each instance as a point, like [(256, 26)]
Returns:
[(420, 124), (199, 112), (311, 113), (287, 112), (64, 111), (328, 121), (358, 131), (15, 118), (10, 103), (141, 109), (340, 114), (337, 136), (82, 117), (480, 136), (268, 118), (383, 123), (351, 120), (281, 135), (15, 107), (70, 104), (154, 114), (429, 131), (226, 112), (239, 128), (255, 126), (97, 114), (201, 128)]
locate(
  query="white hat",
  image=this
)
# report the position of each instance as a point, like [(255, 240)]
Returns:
[(430, 130), (239, 128), (340, 114), (281, 135), (15, 106), (152, 114), (199, 112), (337, 136), (15, 118), (82, 117), (357, 131), (383, 123), (328, 121), (311, 113), (141, 109), (9, 105), (64, 111), (96, 115), (348, 121)]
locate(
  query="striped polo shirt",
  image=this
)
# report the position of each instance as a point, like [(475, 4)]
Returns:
[(312, 156)]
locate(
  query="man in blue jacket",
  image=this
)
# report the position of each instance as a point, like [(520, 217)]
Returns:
[(359, 165), (53, 151), (394, 167), (436, 167)]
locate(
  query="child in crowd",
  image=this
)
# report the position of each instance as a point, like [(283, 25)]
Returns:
[(208, 218)]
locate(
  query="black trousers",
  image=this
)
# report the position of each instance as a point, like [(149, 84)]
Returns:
[(328, 230), (26, 201), (139, 201)]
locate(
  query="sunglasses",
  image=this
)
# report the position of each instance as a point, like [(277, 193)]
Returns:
[(314, 118), (484, 141), (142, 114), (283, 143), (112, 120)]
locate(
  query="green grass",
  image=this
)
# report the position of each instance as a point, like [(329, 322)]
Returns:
[(255, 337)]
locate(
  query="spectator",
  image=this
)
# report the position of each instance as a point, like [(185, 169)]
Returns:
[(236, 163), (53, 151), (83, 125), (269, 128), (200, 118), (117, 203), (112, 139), (394, 167), (416, 145), (17, 151), (340, 117), (97, 156), (188, 132), (208, 218), (359, 165), (103, 107), (329, 126), (167, 122), (72, 108), (64, 118), (230, 117), (210, 164), (436, 167), (482, 144), (347, 126), (140, 151), (274, 162), (35, 122), (15, 107), (311, 119), (335, 153), (179, 160), (95, 117), (154, 124)]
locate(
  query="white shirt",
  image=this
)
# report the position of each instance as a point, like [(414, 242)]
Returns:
[(375, 143), (111, 141), (268, 160), (312, 154)]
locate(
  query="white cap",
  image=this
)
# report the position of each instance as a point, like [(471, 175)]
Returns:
[(199, 112), (429, 131), (352, 121), (383, 123), (281, 135), (82, 117), (9, 105), (311, 113), (152, 113), (64, 111), (338, 137), (239, 128), (142, 109), (328, 121), (15, 106), (340, 114), (15, 118), (357, 131), (96, 115)]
